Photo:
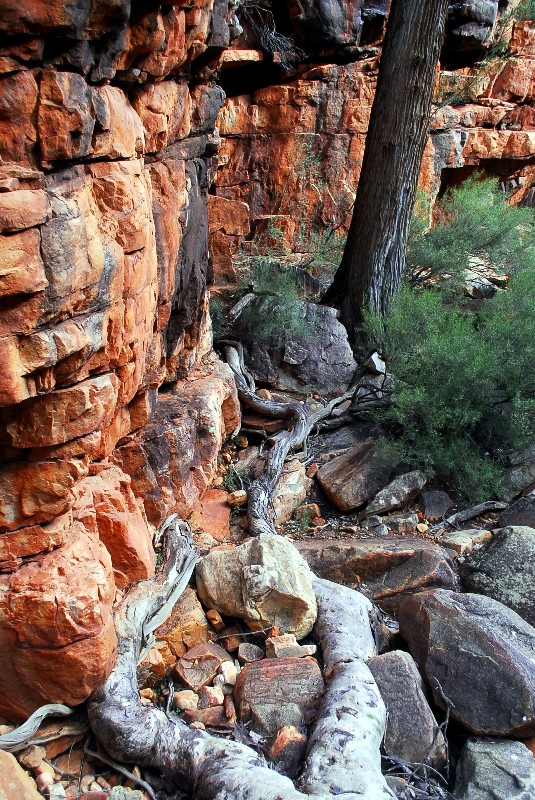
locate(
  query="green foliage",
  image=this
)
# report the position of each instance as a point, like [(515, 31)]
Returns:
[(220, 323), (475, 221), (277, 309), (525, 10), (464, 382)]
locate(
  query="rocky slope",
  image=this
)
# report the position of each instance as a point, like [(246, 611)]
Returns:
[(113, 410)]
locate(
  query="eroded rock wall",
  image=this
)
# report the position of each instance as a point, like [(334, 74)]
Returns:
[(295, 147), (107, 149)]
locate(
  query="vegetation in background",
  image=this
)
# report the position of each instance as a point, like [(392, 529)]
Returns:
[(464, 379), (473, 222)]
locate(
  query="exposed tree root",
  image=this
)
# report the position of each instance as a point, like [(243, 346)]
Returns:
[(343, 757)]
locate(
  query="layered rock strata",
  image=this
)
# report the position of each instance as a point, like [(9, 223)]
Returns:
[(294, 147), (107, 149)]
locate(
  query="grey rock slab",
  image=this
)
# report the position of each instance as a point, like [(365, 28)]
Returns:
[(412, 732), (264, 581), (495, 770), (351, 479), (397, 493), (504, 569), (435, 504), (521, 512), (320, 357), (478, 654)]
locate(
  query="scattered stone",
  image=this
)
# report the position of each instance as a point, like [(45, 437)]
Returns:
[(276, 692), (385, 570), (504, 569), (375, 364), (15, 784), (286, 646), (229, 708), (288, 750), (477, 286), (402, 523), (32, 757), (520, 513), (213, 717), (248, 652), (490, 770), (230, 638), (422, 527), (215, 620), (375, 525), (212, 514), (148, 694), (237, 498), (397, 494), (185, 700), (210, 696), (187, 625), (435, 504), (464, 541), (200, 665), (349, 480), (230, 672), (312, 471), (265, 394), (412, 732), (264, 581), (477, 653)]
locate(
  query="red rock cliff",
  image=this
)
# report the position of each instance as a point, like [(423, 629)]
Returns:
[(112, 411)]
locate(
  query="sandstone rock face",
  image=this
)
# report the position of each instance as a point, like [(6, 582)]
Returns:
[(504, 569), (14, 781), (385, 570), (491, 770), (313, 127), (107, 150), (412, 732), (264, 581), (477, 653)]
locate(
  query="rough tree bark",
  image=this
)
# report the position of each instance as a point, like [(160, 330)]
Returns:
[(373, 263)]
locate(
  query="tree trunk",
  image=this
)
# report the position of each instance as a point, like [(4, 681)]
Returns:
[(373, 263)]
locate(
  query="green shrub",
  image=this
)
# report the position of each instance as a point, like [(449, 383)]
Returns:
[(464, 381), (474, 221)]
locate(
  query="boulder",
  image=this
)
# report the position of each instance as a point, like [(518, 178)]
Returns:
[(14, 781), (412, 732), (521, 512), (290, 492), (273, 693), (520, 475), (319, 357), (491, 770), (477, 286), (504, 569), (435, 504), (478, 654), (385, 570), (349, 480), (264, 581), (397, 493)]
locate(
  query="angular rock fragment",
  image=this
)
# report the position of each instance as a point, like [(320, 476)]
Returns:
[(264, 581), (478, 654), (288, 750), (200, 665), (385, 570), (186, 626), (464, 541), (504, 569), (397, 493), (495, 770), (435, 504), (286, 646), (412, 732), (273, 693), (248, 652), (520, 513), (14, 781), (349, 480)]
